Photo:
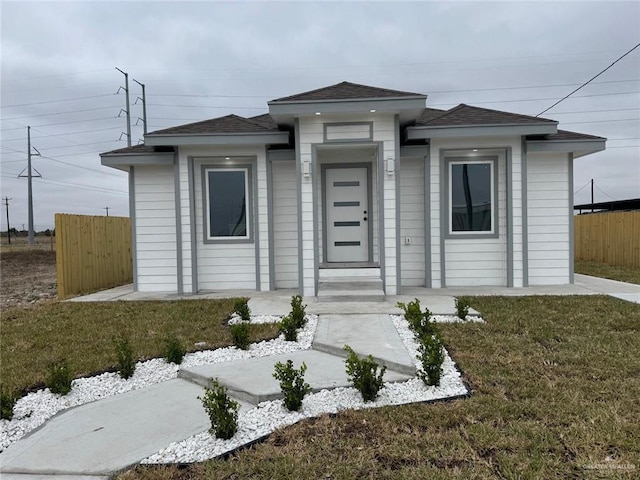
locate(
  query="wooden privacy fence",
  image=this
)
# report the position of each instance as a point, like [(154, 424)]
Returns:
[(611, 238), (92, 253)]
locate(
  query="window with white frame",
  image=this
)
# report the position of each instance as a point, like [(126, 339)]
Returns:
[(227, 203), (472, 197)]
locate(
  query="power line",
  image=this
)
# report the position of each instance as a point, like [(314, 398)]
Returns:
[(58, 123), (57, 101), (539, 99), (605, 121), (60, 113), (589, 81)]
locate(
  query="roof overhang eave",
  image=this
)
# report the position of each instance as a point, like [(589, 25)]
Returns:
[(579, 148), (427, 132), (180, 139), (281, 111), (122, 161)]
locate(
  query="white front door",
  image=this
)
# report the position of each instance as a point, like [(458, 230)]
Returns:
[(347, 213)]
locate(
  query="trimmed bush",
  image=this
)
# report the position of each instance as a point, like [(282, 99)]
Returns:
[(7, 402), (174, 350), (125, 363), (431, 356), (292, 384), (289, 328), (419, 321), (363, 373), (462, 307), (241, 307), (222, 411), (298, 311), (240, 335), (59, 379)]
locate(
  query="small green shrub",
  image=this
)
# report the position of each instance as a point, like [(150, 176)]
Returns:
[(462, 307), (7, 402), (174, 350), (289, 328), (292, 384), (240, 335), (125, 363), (59, 379), (431, 356), (419, 321), (222, 411), (241, 307), (298, 311), (363, 373)]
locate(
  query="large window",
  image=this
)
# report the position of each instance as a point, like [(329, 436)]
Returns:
[(227, 203), (471, 197)]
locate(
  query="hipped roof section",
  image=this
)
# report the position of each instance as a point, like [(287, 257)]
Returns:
[(346, 91)]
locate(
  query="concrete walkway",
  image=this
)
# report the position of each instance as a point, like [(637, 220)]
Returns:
[(97, 439), (439, 300)]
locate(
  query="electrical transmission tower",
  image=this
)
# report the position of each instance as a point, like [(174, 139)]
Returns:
[(128, 110), (6, 203), (30, 176)]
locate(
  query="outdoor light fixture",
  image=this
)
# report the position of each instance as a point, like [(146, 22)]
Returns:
[(318, 113), (306, 169), (373, 110), (391, 165)]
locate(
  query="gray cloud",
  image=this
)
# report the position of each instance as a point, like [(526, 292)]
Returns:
[(243, 54)]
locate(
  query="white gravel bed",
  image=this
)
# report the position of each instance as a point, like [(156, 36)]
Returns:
[(34, 409), (263, 419)]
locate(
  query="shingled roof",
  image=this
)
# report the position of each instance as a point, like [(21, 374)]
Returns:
[(567, 136), (466, 115), (346, 91), (229, 124)]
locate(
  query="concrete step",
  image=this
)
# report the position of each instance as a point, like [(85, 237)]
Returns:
[(375, 335), (367, 272), (103, 437), (252, 380), (350, 283)]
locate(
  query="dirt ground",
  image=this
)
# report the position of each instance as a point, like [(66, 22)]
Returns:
[(27, 276)]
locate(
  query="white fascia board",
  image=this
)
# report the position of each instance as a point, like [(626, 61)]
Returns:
[(124, 160), (295, 108), (579, 148), (416, 133), (221, 139)]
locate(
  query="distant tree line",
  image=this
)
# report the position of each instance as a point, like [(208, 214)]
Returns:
[(25, 233)]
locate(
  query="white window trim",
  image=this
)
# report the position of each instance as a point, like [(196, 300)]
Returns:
[(248, 205), (493, 163)]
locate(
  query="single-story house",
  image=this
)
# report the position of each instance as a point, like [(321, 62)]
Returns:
[(352, 178)]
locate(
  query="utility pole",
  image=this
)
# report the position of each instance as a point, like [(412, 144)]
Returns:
[(144, 106), (128, 110), (592, 195), (6, 203), (29, 175), (107, 209)]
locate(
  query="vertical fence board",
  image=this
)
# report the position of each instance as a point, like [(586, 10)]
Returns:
[(610, 237), (92, 253)]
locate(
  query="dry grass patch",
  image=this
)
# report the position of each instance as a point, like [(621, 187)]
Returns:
[(82, 334), (613, 272), (556, 385)]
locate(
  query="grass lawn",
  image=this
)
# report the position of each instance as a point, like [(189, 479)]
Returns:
[(596, 269), (82, 333), (556, 385)]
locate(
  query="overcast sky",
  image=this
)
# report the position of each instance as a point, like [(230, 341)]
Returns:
[(202, 60)]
